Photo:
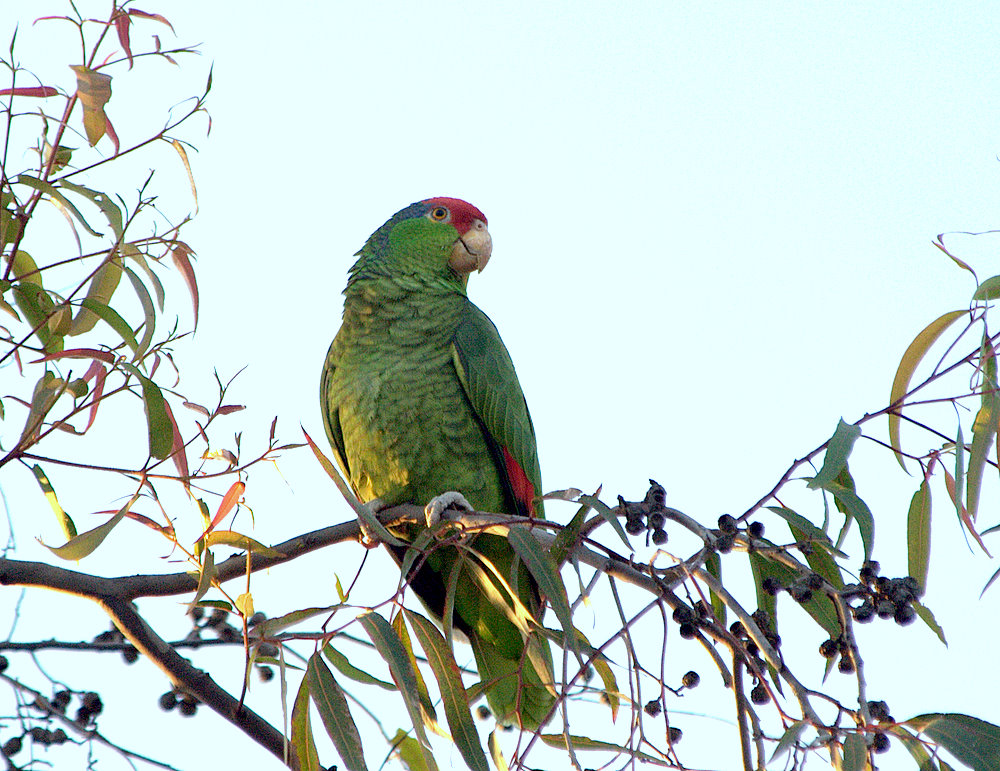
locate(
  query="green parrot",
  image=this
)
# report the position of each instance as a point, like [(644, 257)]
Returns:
[(422, 405)]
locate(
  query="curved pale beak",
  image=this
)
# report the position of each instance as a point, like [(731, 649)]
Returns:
[(472, 251)]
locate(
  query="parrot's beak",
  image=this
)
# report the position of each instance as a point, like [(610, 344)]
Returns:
[(472, 251)]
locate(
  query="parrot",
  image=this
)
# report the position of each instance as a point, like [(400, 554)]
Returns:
[(422, 405)]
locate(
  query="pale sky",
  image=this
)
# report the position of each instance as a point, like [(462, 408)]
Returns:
[(712, 232)]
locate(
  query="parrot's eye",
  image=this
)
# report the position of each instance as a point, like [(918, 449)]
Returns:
[(439, 214)]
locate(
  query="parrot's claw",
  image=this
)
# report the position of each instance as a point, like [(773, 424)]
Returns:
[(448, 500), (368, 539)]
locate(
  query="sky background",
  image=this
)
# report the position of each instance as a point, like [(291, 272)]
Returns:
[(712, 232)]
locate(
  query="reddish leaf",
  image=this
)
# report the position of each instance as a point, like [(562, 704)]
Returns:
[(154, 16), (110, 131), (41, 91), (227, 409), (80, 353), (180, 254), (197, 408), (229, 500), (122, 23), (178, 453), (98, 372)]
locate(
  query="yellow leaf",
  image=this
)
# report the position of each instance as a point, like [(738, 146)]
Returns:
[(94, 90)]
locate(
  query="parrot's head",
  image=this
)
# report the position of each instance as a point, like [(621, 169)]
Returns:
[(435, 238)]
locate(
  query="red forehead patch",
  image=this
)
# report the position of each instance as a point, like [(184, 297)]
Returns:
[(462, 212)]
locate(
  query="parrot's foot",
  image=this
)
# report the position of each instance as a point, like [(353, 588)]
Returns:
[(368, 539), (448, 500)]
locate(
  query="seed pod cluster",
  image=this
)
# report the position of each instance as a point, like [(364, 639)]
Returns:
[(646, 516), (878, 595)]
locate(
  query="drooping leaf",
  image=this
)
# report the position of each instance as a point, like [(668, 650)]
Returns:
[(449, 679), (303, 745), (179, 147), (973, 741), (56, 195), (925, 615), (38, 91), (584, 743), (206, 574), (65, 522), (838, 450), (855, 756), (426, 704), (229, 500), (918, 534), (984, 429), (543, 569), (908, 365), (335, 713), (391, 649), (94, 90), (80, 546), (178, 453), (181, 253), (113, 320), (161, 433), (857, 510)]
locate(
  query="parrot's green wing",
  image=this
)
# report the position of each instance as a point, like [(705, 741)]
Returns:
[(487, 375)]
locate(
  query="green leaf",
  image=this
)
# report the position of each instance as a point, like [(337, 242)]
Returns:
[(974, 742), (206, 573), (65, 521), (819, 607), (807, 529), (582, 743), (391, 649), (918, 534), (426, 705), (855, 753), (984, 429), (346, 668), (988, 290), (541, 566), (240, 541), (58, 198), (149, 311), (105, 204), (907, 366), (838, 450), (713, 563), (609, 516), (303, 745), (80, 546), (336, 715), (788, 739), (928, 618), (161, 429), (453, 695), (858, 510), (113, 320), (409, 752)]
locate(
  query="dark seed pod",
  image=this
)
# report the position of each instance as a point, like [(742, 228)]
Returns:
[(880, 742), (61, 700), (266, 674), (864, 612), (762, 619), (268, 649), (3, 664), (756, 529), (130, 654), (634, 525), (92, 703), (483, 712), (758, 695), (656, 494), (12, 746), (736, 628), (828, 649), (168, 701), (687, 630), (751, 648), (845, 665), (727, 523), (657, 520), (771, 585), (879, 711), (659, 536), (682, 613), (691, 679), (814, 581), (197, 613), (674, 735), (257, 618), (904, 615), (58, 737), (869, 570), (885, 609), (187, 707), (653, 708), (724, 543)]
